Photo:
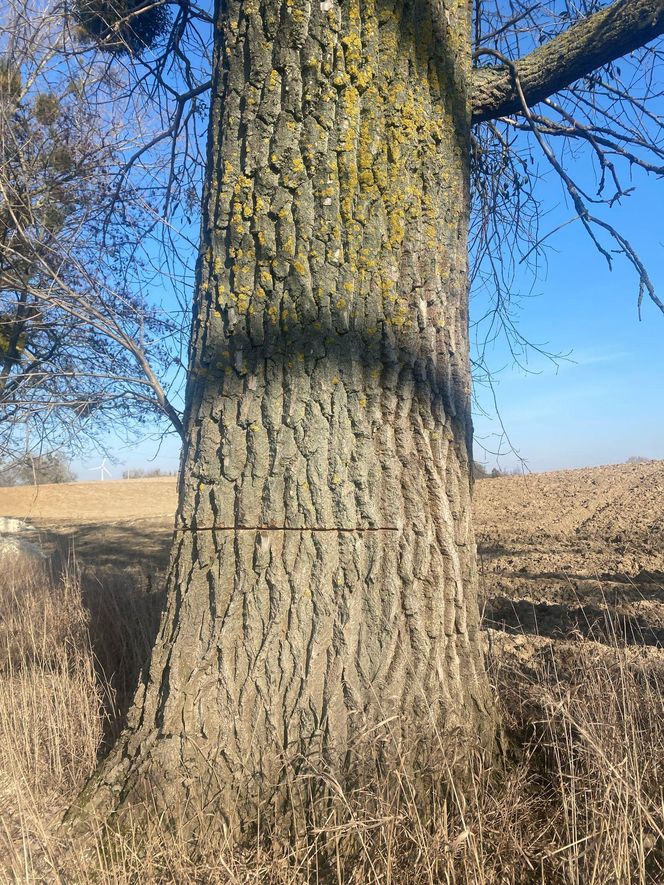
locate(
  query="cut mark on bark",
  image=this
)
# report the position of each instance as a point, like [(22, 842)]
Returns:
[(281, 528)]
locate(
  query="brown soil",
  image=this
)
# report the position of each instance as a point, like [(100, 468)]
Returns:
[(562, 555), (575, 553)]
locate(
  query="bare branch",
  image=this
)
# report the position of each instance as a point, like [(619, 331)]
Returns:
[(590, 222), (595, 41)]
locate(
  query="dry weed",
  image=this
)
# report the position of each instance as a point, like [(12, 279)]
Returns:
[(579, 801)]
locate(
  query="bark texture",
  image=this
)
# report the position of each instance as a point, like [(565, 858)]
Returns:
[(595, 41), (323, 569)]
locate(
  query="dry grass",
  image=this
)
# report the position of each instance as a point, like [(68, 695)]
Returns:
[(579, 803)]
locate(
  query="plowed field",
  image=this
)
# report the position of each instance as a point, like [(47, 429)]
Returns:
[(573, 553)]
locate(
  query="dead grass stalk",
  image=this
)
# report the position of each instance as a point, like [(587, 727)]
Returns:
[(579, 802)]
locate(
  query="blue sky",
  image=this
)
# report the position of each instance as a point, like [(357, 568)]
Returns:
[(604, 402)]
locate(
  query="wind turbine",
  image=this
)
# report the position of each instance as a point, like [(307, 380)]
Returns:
[(103, 469)]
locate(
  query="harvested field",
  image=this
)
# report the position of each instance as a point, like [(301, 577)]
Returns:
[(89, 502), (112, 523)]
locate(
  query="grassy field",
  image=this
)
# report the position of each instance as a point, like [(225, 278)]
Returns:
[(572, 569)]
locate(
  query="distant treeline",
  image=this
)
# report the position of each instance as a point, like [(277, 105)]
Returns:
[(480, 471), (141, 473), (50, 467)]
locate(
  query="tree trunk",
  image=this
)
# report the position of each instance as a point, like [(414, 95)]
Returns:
[(322, 581)]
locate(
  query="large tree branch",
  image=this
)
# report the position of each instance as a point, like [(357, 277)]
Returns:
[(595, 41)]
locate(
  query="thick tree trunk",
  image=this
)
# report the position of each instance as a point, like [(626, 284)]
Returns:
[(323, 570)]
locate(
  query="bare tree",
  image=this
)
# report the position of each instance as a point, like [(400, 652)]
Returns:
[(37, 470), (83, 344), (323, 582)]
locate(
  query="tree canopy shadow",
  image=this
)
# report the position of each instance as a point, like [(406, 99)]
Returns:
[(558, 621), (121, 571), (612, 587), (101, 546)]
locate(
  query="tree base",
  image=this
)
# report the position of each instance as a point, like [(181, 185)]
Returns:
[(386, 767)]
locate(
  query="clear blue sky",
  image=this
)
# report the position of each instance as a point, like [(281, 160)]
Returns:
[(604, 402)]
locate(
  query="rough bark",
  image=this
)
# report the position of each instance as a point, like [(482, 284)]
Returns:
[(591, 43), (323, 569)]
